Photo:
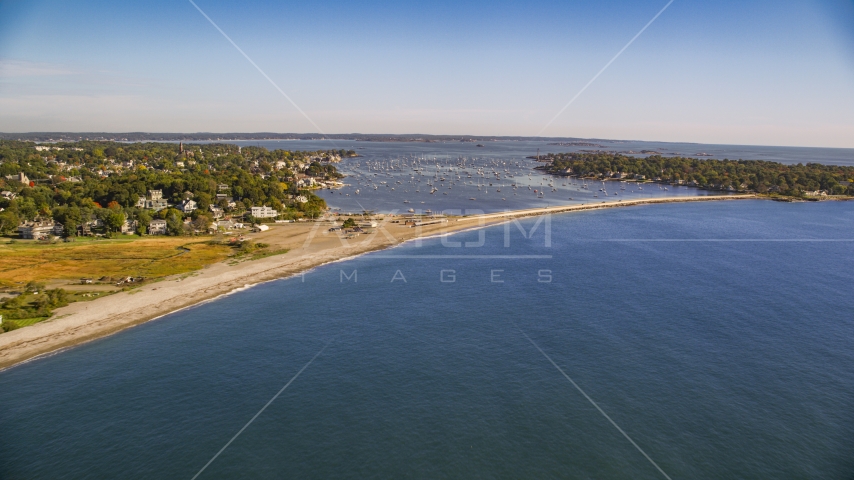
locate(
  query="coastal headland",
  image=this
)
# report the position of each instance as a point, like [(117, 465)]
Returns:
[(309, 245)]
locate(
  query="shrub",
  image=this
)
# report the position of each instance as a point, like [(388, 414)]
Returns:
[(9, 325)]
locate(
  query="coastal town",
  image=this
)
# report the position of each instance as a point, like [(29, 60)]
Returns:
[(105, 189), (96, 200)]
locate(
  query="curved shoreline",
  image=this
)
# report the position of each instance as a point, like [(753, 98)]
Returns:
[(82, 322)]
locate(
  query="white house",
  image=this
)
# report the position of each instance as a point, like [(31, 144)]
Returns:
[(264, 212), (225, 224), (306, 182), (155, 201), (157, 227), (228, 224), (187, 206), (156, 205), (39, 230), (129, 226)]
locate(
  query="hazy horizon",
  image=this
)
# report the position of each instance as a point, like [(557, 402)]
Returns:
[(340, 136)]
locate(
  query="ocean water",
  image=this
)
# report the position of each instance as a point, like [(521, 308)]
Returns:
[(383, 178), (442, 185), (507, 149), (718, 336)]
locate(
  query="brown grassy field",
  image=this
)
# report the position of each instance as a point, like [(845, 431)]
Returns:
[(150, 257)]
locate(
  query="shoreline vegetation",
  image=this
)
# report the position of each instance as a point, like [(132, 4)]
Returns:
[(811, 181), (297, 247)]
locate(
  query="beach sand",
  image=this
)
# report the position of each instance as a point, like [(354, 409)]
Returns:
[(309, 244)]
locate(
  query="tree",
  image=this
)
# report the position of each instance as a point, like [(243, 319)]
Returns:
[(202, 223), (27, 209), (69, 217), (9, 325), (349, 223), (143, 219), (174, 224), (114, 221), (13, 302), (33, 286), (57, 298), (277, 205), (203, 200), (8, 222), (312, 211)]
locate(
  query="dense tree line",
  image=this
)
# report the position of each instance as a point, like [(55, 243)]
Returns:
[(78, 182), (742, 175)]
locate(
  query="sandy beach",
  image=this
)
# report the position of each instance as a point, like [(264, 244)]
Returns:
[(309, 245)]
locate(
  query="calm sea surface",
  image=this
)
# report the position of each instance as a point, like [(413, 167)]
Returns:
[(719, 337), (398, 176), (517, 149)]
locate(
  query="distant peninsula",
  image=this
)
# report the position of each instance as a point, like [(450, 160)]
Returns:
[(578, 143), (812, 181), (234, 136)]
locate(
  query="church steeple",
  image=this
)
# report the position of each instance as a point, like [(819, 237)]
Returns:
[(180, 147)]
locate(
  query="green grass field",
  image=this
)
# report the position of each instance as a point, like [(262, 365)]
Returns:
[(149, 257), (26, 322)]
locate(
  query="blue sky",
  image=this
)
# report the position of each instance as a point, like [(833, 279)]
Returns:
[(743, 72)]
